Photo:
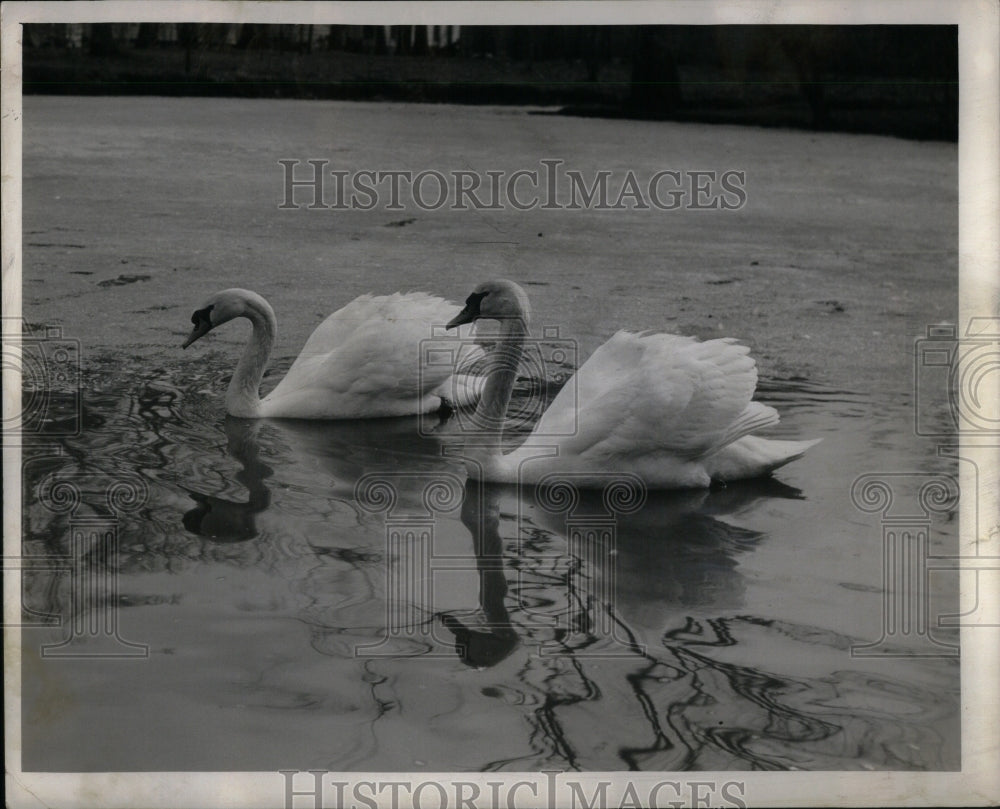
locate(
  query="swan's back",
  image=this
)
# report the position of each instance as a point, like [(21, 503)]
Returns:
[(665, 406), (364, 359), (638, 392), (410, 313)]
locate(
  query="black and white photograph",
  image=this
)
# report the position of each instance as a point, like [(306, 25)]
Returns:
[(556, 404)]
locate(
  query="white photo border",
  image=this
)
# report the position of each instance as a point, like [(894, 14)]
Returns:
[(978, 782)]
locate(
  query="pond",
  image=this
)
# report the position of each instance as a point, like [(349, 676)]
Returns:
[(209, 593), (336, 595)]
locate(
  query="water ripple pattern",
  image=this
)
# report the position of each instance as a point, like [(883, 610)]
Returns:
[(708, 630)]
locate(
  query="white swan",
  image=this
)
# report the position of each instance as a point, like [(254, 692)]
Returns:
[(672, 410), (363, 361)]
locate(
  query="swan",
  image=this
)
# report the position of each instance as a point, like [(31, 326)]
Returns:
[(363, 361), (675, 411)]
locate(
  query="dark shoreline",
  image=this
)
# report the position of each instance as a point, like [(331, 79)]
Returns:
[(916, 110)]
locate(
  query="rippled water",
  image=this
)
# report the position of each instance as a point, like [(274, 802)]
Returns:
[(296, 616)]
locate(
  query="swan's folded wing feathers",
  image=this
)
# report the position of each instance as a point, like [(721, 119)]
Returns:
[(658, 393), (607, 372), (372, 347), (606, 408), (724, 377), (337, 328), (755, 417)]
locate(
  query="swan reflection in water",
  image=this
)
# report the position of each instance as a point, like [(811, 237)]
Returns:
[(613, 586), (223, 520), (642, 626), (571, 614), (485, 636), (573, 589), (341, 451)]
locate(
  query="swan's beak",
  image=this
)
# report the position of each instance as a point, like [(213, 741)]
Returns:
[(200, 330), (467, 315)]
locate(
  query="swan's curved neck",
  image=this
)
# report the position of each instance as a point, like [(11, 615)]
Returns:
[(243, 396), (501, 374)]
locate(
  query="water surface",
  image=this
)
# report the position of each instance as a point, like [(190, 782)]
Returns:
[(296, 618), (260, 620)]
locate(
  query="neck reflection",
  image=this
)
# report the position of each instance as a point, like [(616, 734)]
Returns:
[(485, 637), (223, 520)]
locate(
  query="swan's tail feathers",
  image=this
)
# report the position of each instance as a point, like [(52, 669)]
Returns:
[(755, 416), (461, 390), (752, 456), (788, 451)]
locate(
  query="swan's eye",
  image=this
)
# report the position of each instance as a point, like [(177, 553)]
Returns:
[(202, 316), (474, 300)]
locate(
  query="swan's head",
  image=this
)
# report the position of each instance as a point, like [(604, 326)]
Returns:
[(222, 307), (495, 300)]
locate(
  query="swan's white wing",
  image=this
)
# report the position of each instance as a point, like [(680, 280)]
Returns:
[(398, 316), (640, 394), (338, 327), (369, 350), (607, 371), (722, 377)]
